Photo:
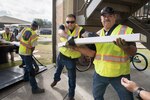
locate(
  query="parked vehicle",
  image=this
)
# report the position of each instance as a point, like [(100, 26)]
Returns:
[(45, 31)]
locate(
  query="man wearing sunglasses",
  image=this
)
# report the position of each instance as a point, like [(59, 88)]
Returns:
[(111, 60), (67, 56)]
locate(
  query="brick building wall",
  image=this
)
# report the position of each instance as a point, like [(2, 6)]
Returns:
[(63, 8)]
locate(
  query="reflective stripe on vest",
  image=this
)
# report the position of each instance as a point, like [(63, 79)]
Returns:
[(77, 29), (113, 58), (26, 45), (122, 30), (77, 32), (98, 57), (23, 30), (32, 38)]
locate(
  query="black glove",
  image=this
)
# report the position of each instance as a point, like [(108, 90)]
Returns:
[(121, 43), (71, 41), (93, 34)]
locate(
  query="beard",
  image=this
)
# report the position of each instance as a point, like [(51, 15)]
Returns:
[(70, 27)]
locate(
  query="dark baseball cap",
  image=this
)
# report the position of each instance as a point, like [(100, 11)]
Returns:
[(107, 10), (34, 24)]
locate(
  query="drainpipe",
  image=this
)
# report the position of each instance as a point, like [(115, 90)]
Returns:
[(54, 30)]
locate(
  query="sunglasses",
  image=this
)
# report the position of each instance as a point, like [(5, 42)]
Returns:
[(70, 22)]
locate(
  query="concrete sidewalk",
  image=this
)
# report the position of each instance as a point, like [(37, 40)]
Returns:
[(84, 80), (21, 90)]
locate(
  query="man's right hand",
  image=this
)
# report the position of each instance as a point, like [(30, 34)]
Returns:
[(93, 34), (71, 41), (129, 85)]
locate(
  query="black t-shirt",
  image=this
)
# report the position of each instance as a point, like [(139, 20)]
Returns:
[(111, 29), (91, 46), (62, 27)]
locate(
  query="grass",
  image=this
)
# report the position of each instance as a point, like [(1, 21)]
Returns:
[(45, 51), (43, 54), (45, 36)]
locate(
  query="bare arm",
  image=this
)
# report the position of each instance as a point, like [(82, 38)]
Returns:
[(129, 48), (145, 95), (85, 51), (132, 86), (62, 33)]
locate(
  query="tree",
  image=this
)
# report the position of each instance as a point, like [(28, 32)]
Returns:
[(43, 22)]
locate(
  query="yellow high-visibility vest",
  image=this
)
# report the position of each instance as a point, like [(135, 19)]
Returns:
[(25, 47), (7, 37), (111, 60), (68, 52)]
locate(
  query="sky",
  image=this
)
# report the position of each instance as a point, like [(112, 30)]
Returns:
[(27, 9)]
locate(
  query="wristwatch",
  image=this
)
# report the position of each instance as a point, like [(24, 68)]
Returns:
[(137, 93)]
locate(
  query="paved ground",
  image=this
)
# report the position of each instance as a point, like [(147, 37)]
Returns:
[(21, 90)]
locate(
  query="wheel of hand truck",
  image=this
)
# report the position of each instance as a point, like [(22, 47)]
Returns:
[(84, 63), (139, 61)]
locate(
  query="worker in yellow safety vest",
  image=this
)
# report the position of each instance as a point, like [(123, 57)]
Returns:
[(67, 56), (18, 37), (8, 36), (28, 41), (112, 60)]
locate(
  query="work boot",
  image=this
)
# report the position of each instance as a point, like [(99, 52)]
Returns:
[(38, 90), (71, 98), (21, 66), (54, 83)]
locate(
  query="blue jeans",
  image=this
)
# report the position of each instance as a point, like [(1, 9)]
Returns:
[(29, 73), (71, 67), (33, 62), (100, 84)]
